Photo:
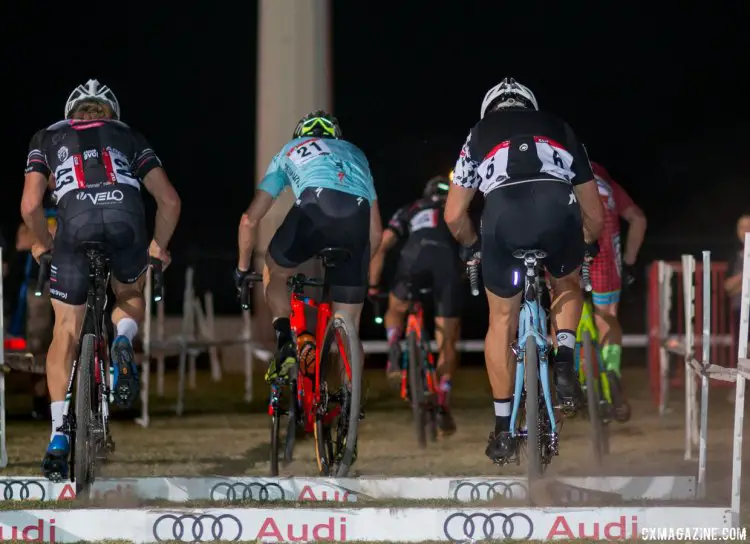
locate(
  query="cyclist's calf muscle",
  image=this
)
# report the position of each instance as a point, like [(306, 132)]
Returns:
[(62, 349)]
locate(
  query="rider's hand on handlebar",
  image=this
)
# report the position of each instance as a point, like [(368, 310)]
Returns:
[(471, 253), (155, 250), (591, 251), (373, 291), (239, 278), (37, 250), (628, 278)]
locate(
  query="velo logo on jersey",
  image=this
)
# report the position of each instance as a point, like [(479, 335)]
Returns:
[(102, 198), (90, 154)]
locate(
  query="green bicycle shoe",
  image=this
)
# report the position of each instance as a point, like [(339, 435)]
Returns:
[(282, 363)]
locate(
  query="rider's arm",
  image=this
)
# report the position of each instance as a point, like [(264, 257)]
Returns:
[(465, 183), (35, 183), (270, 187), (388, 240), (636, 219), (586, 190), (376, 228)]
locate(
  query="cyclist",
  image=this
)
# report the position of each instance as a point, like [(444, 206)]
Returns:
[(607, 270), (539, 194), (429, 255), (336, 206), (98, 164)]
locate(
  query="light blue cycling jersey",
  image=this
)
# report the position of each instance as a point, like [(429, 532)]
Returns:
[(320, 162)]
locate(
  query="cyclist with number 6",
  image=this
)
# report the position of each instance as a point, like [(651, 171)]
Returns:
[(608, 272), (98, 164), (539, 194), (336, 206), (430, 254)]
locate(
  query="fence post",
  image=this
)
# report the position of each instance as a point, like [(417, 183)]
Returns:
[(143, 421), (704, 379), (187, 321), (739, 398), (3, 449), (665, 304), (213, 350), (688, 295)]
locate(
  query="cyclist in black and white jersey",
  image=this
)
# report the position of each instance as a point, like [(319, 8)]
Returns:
[(539, 193), (98, 165)]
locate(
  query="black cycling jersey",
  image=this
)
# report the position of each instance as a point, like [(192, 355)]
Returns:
[(508, 147), (90, 153), (422, 220)]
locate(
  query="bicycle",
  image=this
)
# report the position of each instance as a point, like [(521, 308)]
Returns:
[(607, 395), (87, 426), (532, 418), (317, 406), (419, 382)]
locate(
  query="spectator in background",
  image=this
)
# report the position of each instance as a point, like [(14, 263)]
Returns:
[(733, 284)]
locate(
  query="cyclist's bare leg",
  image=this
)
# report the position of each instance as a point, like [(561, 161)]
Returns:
[(565, 314), (62, 351), (394, 328), (127, 316), (500, 361), (447, 332), (610, 334)]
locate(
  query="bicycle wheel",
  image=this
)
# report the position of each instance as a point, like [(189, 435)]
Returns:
[(592, 398), (275, 417), (621, 405), (533, 424), (416, 388), (336, 453), (291, 424), (85, 445)]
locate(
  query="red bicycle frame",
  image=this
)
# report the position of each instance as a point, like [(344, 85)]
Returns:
[(308, 392), (415, 322)]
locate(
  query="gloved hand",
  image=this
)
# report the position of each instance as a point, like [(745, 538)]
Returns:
[(468, 253), (591, 251), (239, 278), (628, 278)]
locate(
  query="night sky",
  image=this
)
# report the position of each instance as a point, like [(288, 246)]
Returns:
[(657, 92)]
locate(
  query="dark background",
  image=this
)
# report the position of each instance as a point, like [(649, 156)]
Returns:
[(657, 91)]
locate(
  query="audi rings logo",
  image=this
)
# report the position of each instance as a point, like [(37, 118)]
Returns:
[(241, 491), (23, 490), (479, 491), (197, 527), (460, 527)]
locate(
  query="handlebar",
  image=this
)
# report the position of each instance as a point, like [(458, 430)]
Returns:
[(297, 282), (44, 267), (377, 307), (250, 280), (586, 276), (472, 268), (157, 279)]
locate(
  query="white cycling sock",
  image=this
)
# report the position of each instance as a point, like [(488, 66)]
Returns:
[(127, 327), (56, 409)]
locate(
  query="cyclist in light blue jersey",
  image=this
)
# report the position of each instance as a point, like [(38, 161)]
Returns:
[(336, 206)]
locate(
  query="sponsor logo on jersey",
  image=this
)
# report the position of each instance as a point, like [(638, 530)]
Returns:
[(103, 197), (90, 154), (62, 153)]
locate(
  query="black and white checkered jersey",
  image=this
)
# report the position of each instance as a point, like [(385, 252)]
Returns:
[(509, 147)]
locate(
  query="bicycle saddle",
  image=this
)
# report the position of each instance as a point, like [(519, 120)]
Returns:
[(331, 256), (537, 254), (94, 247)]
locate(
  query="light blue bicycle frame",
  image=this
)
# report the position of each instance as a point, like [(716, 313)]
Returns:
[(532, 323)]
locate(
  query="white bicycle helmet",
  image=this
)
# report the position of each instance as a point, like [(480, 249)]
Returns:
[(93, 90), (508, 94)]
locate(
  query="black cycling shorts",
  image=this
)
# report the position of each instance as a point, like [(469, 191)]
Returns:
[(324, 218), (430, 264), (536, 215), (113, 216)]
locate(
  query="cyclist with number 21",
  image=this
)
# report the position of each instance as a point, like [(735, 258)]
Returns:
[(533, 173), (98, 164), (336, 206)]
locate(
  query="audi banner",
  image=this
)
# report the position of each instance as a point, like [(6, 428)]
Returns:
[(355, 524)]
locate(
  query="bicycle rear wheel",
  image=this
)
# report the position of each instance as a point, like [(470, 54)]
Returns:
[(593, 399), (275, 422), (416, 388), (85, 443), (533, 423), (336, 426), (291, 425)]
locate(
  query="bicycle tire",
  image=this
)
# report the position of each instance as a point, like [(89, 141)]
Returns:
[(291, 425), (275, 417), (618, 398), (332, 461), (592, 398), (533, 436), (84, 449), (416, 388)]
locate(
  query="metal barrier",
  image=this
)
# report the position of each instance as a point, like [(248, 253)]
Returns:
[(665, 306), (724, 371)]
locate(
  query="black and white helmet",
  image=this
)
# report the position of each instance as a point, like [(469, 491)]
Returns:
[(508, 94), (93, 90)]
